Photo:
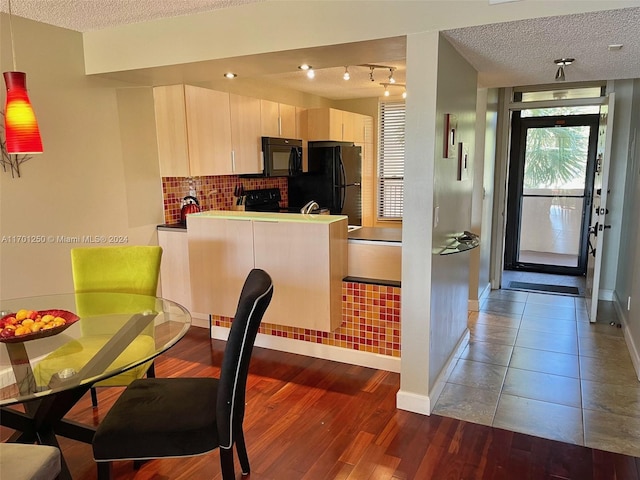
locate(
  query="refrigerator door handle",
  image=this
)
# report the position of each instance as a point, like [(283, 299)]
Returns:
[(343, 181)]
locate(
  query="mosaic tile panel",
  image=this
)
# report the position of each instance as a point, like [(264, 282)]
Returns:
[(370, 321), (213, 193)]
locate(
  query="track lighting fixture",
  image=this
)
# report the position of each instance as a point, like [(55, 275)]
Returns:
[(391, 79), (346, 75), (387, 91), (371, 74), (561, 63)]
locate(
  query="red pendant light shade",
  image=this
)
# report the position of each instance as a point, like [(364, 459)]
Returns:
[(21, 126)]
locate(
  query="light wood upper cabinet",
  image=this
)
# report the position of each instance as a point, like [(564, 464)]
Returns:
[(278, 120), (209, 131), (270, 118), (171, 131), (336, 125), (193, 131), (288, 128), (206, 132), (245, 134)]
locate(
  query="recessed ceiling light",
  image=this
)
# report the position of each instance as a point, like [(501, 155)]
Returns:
[(615, 46), (230, 75), (304, 67)]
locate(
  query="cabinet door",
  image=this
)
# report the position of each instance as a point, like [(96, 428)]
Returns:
[(324, 124), (209, 131), (171, 131), (349, 126), (174, 268), (245, 134), (269, 118), (358, 128), (306, 265), (301, 123), (220, 258), (288, 121)]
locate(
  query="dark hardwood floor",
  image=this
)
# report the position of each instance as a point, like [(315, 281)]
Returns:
[(314, 419)]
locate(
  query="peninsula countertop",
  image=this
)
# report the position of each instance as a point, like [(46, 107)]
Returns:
[(370, 234)]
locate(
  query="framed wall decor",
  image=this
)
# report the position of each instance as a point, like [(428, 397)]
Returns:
[(450, 136), (463, 162)]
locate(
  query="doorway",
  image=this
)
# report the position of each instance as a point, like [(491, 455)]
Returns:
[(551, 176)]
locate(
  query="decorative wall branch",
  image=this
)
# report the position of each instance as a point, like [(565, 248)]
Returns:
[(10, 163)]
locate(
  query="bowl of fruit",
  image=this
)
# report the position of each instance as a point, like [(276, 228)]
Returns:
[(26, 325)]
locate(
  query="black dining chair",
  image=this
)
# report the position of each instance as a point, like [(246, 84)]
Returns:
[(174, 417)]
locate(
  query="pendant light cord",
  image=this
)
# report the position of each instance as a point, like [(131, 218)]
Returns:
[(13, 48)]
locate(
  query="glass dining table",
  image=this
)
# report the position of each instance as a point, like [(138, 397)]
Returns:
[(54, 348)]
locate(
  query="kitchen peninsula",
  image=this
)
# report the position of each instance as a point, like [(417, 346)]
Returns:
[(306, 256), (369, 332)]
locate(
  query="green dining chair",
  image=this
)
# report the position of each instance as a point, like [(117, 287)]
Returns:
[(117, 269)]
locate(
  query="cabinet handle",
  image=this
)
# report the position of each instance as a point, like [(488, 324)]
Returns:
[(279, 125), (233, 161)]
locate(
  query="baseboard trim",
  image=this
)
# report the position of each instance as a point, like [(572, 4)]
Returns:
[(485, 292), (441, 381), (412, 402), (423, 404), (318, 350), (607, 295), (474, 305), (634, 351)]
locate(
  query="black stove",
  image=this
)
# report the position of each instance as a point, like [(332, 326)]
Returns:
[(263, 200)]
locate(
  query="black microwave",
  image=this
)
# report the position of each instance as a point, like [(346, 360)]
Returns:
[(282, 157)]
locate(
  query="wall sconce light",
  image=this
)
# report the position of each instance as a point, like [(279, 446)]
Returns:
[(21, 126), (561, 63), (346, 75)]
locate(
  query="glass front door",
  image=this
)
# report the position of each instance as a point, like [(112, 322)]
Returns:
[(550, 181)]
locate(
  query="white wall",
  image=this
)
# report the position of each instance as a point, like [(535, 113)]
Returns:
[(628, 260), (422, 77), (249, 29), (435, 287), (482, 200), (82, 184)]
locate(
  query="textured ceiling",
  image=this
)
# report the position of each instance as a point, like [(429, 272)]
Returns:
[(522, 52), (504, 54), (86, 15)]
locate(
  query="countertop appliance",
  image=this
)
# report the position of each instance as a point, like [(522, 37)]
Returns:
[(282, 157), (333, 180), (189, 205)]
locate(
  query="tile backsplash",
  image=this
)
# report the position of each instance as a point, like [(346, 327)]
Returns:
[(213, 193)]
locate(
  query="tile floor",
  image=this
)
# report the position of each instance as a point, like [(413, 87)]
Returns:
[(534, 364)]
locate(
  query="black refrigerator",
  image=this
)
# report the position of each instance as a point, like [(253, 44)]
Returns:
[(333, 180)]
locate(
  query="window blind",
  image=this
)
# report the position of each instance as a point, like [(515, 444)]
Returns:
[(391, 160)]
